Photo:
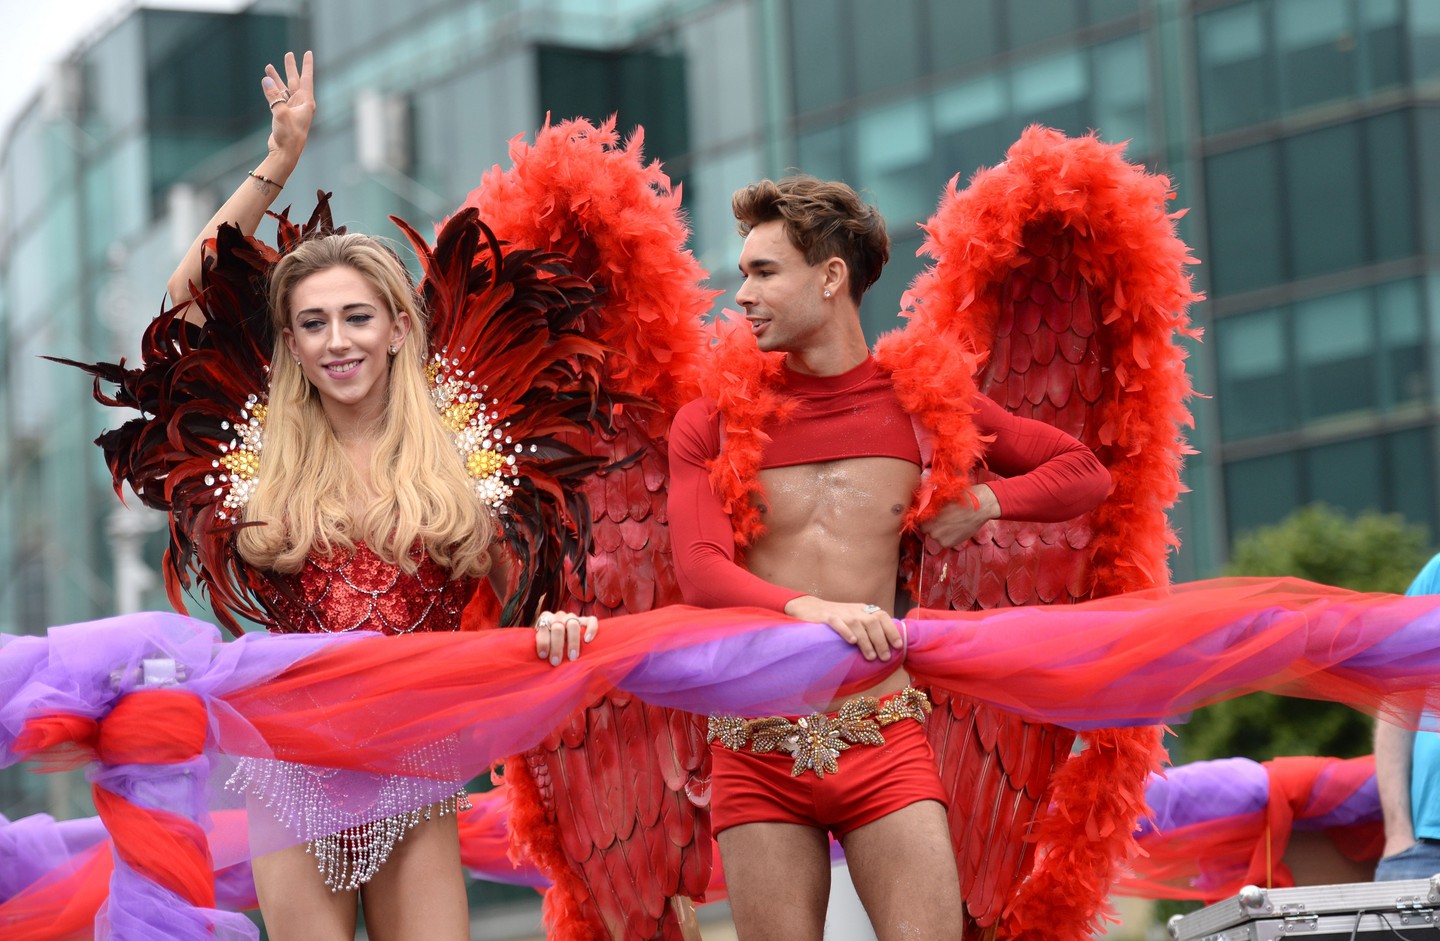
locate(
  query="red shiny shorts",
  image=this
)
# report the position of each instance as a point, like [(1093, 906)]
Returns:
[(871, 782)]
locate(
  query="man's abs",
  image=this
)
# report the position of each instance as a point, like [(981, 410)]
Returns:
[(832, 529)]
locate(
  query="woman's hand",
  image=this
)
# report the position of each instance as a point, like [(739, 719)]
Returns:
[(558, 633), (292, 107)]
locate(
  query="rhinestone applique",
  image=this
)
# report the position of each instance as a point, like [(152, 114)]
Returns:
[(817, 740), (479, 435), (353, 848), (240, 465)]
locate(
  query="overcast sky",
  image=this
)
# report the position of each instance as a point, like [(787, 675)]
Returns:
[(38, 33)]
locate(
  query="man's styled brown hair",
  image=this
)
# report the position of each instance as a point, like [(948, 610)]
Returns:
[(823, 219)]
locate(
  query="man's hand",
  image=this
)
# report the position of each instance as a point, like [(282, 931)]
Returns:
[(560, 633), (958, 521), (867, 626)]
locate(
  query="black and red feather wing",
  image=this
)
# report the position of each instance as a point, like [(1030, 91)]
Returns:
[(1062, 270), (200, 394)]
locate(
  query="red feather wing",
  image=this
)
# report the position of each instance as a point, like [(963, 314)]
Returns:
[(616, 826), (1062, 264)]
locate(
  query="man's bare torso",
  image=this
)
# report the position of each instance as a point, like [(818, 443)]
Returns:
[(832, 530)]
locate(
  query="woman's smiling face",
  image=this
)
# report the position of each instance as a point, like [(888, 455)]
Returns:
[(341, 331)]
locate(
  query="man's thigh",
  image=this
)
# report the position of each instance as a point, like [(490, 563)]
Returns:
[(1420, 861), (903, 866), (778, 879)]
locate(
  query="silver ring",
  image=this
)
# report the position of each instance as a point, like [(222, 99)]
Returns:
[(543, 624), (871, 608)]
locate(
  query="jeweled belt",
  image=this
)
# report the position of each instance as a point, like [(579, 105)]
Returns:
[(817, 740)]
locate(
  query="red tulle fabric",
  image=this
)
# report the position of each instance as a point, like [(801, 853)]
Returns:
[(62, 906), (1213, 859), (155, 727), (163, 847), (146, 727), (60, 742)]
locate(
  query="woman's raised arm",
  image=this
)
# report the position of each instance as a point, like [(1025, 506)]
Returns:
[(292, 108)]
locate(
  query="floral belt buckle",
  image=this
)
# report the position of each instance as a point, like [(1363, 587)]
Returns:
[(817, 740)]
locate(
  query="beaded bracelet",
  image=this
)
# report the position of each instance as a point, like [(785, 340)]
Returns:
[(265, 179)]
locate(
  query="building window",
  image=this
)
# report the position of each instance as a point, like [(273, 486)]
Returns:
[(972, 124), (1335, 353), (1234, 75), (820, 70), (1410, 476), (1033, 21), (894, 157), (1261, 491), (1391, 185), (1402, 343), (1242, 190), (1315, 50), (1255, 390), (1324, 189), (1122, 93), (1390, 473), (1054, 92), (888, 37), (1424, 17), (1382, 44), (1346, 202), (961, 33), (1348, 475)]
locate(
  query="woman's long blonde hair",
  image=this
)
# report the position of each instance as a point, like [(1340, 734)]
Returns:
[(420, 493)]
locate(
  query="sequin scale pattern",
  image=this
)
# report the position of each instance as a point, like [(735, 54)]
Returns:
[(360, 591), (363, 816)]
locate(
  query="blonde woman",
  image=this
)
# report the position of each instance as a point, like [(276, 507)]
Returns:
[(368, 522)]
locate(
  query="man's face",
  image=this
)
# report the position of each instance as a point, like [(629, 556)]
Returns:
[(783, 295)]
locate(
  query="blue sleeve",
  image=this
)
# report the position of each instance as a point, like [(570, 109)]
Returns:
[(1428, 581)]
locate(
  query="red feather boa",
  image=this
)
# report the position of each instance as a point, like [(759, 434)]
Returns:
[(578, 191), (1132, 257)]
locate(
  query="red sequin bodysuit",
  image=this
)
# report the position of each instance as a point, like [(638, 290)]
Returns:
[(351, 820), (359, 591)]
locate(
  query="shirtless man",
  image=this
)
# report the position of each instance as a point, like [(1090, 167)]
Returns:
[(836, 478)]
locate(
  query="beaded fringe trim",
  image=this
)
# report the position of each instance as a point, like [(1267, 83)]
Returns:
[(308, 799)]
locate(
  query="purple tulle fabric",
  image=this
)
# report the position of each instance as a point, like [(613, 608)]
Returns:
[(37, 846), (1138, 659), (1204, 791), (140, 910)]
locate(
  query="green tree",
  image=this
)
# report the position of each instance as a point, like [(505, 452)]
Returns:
[(1368, 552)]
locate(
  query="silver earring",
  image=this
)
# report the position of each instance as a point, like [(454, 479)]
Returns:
[(393, 349), (827, 295), (297, 361)]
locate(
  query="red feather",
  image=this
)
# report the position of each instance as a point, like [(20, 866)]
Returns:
[(1063, 266), (638, 835)]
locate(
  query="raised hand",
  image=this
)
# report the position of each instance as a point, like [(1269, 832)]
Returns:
[(292, 106)]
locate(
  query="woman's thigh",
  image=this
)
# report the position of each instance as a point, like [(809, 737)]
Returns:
[(419, 892)]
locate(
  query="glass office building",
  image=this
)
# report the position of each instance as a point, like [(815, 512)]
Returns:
[(1304, 135)]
